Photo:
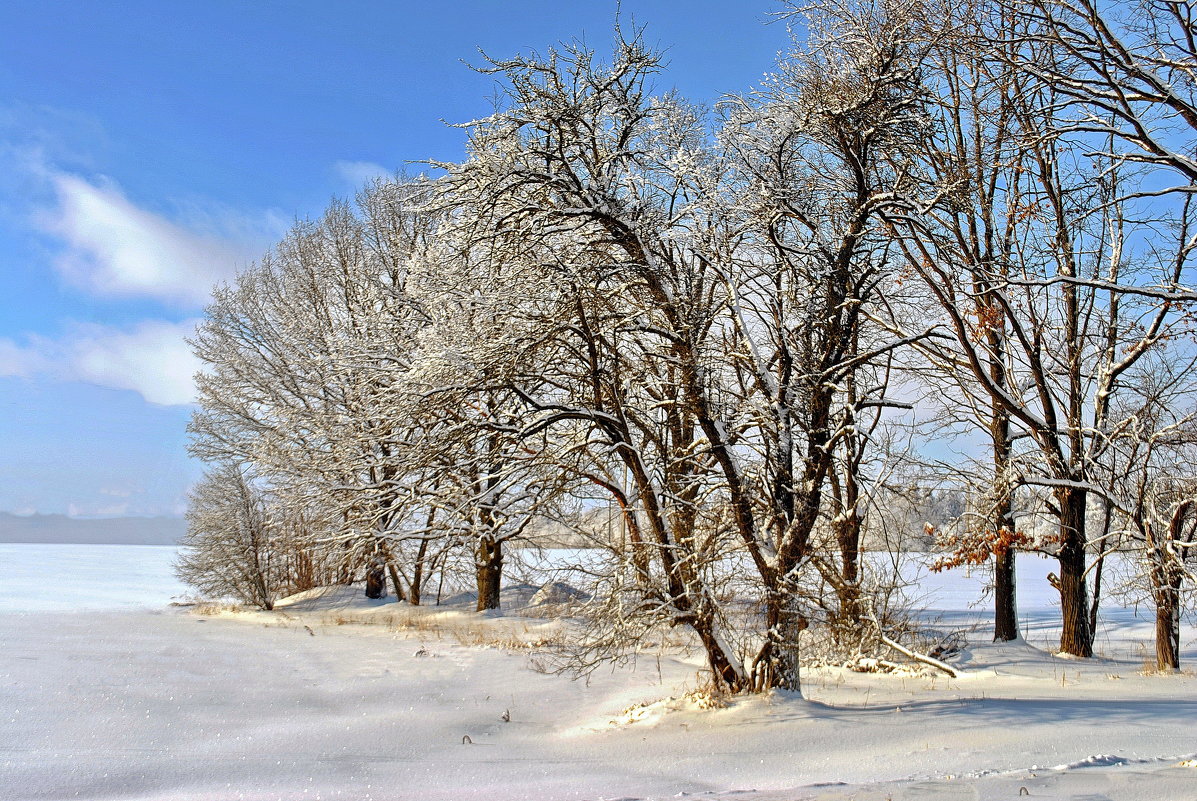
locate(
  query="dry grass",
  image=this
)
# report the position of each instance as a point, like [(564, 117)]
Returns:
[(212, 609), (503, 634)]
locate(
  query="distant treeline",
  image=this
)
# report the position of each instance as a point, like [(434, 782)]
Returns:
[(106, 531)]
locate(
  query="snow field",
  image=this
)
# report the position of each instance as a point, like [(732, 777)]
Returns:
[(334, 696)]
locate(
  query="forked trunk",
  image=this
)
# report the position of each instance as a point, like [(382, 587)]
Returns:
[(417, 577)]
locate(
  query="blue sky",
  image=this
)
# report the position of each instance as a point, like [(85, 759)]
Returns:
[(149, 149)]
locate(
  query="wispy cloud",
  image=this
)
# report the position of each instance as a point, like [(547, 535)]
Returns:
[(102, 240), (114, 248), (17, 360), (359, 173), (151, 358)]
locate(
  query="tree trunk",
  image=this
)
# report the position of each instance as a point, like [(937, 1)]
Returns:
[(723, 669), (847, 528), (1076, 637), (1167, 631), (417, 575), (395, 582), (1095, 605), (778, 665), (1165, 579), (418, 568), (1005, 602), (488, 566), (376, 580)]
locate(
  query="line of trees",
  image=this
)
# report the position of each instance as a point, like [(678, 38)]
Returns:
[(741, 326)]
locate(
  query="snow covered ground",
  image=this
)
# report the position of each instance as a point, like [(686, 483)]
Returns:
[(338, 697)]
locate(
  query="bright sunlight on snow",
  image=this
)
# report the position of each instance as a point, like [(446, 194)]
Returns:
[(335, 696)]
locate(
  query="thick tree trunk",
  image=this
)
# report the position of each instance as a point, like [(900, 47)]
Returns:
[(1005, 602), (1076, 636), (778, 665), (1167, 632), (488, 566), (376, 580)]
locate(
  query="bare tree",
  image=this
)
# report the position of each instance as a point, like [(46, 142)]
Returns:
[(1153, 492), (820, 152), (232, 547), (1025, 239), (304, 358), (1125, 73), (709, 302)]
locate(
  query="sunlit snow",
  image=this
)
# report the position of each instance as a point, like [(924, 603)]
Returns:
[(106, 692)]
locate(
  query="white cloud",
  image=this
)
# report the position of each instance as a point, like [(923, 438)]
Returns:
[(93, 510), (16, 360), (115, 248), (359, 173), (151, 358)]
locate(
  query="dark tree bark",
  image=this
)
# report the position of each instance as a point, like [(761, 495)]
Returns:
[(1005, 611), (1167, 628), (1076, 637), (376, 580), (489, 572), (395, 582), (1005, 616), (416, 587), (1167, 575)]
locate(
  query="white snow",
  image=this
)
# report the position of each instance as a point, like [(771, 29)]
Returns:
[(334, 696)]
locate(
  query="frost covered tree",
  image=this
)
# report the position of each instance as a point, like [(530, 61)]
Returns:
[(706, 307), (1124, 72), (233, 548), (702, 318), (1030, 235), (821, 151), (969, 153), (304, 357), (1153, 493), (589, 177)]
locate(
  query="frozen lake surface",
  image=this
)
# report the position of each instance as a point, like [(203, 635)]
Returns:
[(67, 578)]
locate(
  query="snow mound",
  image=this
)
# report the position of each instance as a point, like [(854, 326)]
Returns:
[(1095, 761), (338, 597), (558, 593), (655, 711)]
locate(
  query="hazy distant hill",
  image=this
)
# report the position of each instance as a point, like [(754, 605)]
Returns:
[(108, 531)]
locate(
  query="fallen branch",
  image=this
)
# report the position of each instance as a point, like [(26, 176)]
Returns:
[(927, 660), (915, 655)]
